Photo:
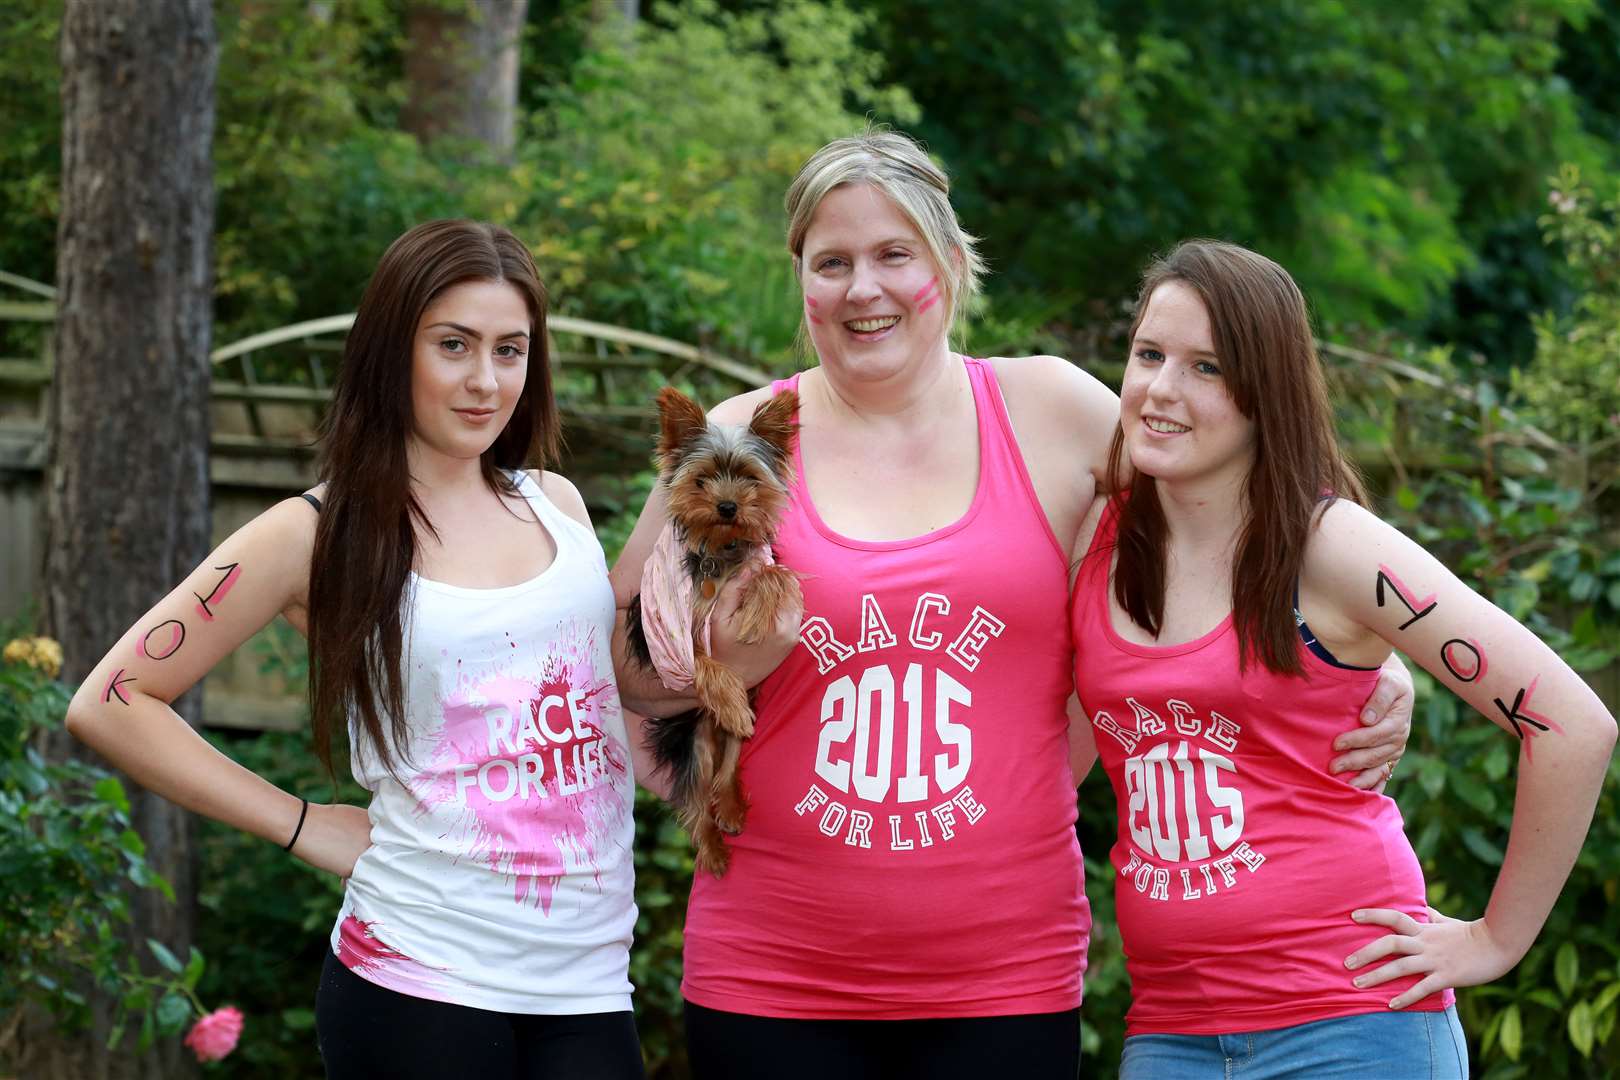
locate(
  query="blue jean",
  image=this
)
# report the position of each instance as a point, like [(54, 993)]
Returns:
[(1386, 1045)]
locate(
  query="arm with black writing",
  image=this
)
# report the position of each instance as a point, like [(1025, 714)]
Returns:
[(122, 709), (1392, 589)]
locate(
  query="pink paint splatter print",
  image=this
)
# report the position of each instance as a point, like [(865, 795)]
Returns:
[(361, 952), (523, 772)]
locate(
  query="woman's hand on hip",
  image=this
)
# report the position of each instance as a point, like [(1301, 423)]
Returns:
[(1445, 952), (1386, 719)]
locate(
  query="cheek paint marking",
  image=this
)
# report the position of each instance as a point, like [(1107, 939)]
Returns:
[(1417, 607), (810, 305), (1469, 670), (931, 291), (233, 571), (177, 637)]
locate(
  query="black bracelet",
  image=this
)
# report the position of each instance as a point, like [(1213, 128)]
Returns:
[(302, 812)]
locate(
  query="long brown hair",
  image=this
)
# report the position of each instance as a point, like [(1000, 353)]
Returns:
[(1269, 362), (365, 541)]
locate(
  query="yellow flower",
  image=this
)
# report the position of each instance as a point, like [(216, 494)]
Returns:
[(40, 653)]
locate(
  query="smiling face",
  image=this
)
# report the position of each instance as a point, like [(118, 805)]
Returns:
[(1179, 421), (469, 362), (872, 293)]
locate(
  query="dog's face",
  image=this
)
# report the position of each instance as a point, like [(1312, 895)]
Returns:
[(727, 486)]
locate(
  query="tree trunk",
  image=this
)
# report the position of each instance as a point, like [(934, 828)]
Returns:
[(127, 491), (461, 71)]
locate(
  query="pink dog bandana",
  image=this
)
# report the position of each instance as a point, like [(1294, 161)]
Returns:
[(667, 598)]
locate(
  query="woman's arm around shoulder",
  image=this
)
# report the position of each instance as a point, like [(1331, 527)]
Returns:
[(1383, 585), (122, 709)]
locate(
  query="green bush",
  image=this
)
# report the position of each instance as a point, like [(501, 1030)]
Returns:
[(69, 862)]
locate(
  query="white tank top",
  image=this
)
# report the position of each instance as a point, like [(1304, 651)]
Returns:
[(500, 873)]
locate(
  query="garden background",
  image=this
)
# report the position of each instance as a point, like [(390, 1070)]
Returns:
[(1441, 177)]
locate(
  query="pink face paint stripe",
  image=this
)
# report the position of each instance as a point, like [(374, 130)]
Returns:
[(930, 302), (922, 292)]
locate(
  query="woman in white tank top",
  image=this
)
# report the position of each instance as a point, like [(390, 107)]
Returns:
[(459, 620)]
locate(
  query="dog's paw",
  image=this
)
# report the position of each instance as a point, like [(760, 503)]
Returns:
[(713, 856), (735, 718), (769, 592), (730, 811)]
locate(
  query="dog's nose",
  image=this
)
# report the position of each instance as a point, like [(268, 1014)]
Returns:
[(728, 509)]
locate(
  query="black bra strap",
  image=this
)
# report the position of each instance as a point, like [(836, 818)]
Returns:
[(312, 500)]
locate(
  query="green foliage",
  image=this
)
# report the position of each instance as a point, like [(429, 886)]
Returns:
[(68, 862), (651, 183), (1086, 134), (265, 917), (30, 152), (1572, 390)]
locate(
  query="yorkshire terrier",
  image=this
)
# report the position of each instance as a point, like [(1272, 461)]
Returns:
[(726, 488)]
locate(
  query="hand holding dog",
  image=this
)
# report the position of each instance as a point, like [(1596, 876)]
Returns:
[(751, 660)]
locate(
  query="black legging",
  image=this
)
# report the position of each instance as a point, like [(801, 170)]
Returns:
[(734, 1046), (367, 1032)]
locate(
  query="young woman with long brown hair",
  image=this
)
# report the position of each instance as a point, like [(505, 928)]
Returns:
[(459, 616), (1230, 615)]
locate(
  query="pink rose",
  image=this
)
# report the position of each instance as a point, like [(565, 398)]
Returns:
[(215, 1035)]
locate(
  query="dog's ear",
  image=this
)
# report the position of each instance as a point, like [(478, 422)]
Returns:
[(773, 421), (679, 418)]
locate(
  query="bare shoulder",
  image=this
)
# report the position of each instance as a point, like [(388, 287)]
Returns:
[(1347, 543), (1064, 420), (563, 495), (1051, 386), (740, 409)]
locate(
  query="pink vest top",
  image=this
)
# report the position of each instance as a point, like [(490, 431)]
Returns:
[(910, 848), (1238, 858)]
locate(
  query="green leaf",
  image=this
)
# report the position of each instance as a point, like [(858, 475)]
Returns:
[(164, 956), (172, 1013), (1606, 998), (1511, 1033), (110, 790), (1432, 777), (1471, 790), (1567, 968), (298, 1019), (1497, 762), (1581, 1032), (130, 841), (1546, 999), (1481, 848), (194, 968)]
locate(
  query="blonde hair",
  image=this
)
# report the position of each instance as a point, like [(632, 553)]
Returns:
[(899, 167)]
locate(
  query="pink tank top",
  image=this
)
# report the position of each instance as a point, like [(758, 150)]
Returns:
[(1238, 858), (910, 848)]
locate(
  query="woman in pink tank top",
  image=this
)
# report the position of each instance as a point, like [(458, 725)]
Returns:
[(906, 898), (1227, 618)]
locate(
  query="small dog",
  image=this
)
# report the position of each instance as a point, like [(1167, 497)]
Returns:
[(726, 489)]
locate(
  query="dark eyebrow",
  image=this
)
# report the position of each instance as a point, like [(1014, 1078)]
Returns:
[(470, 332)]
